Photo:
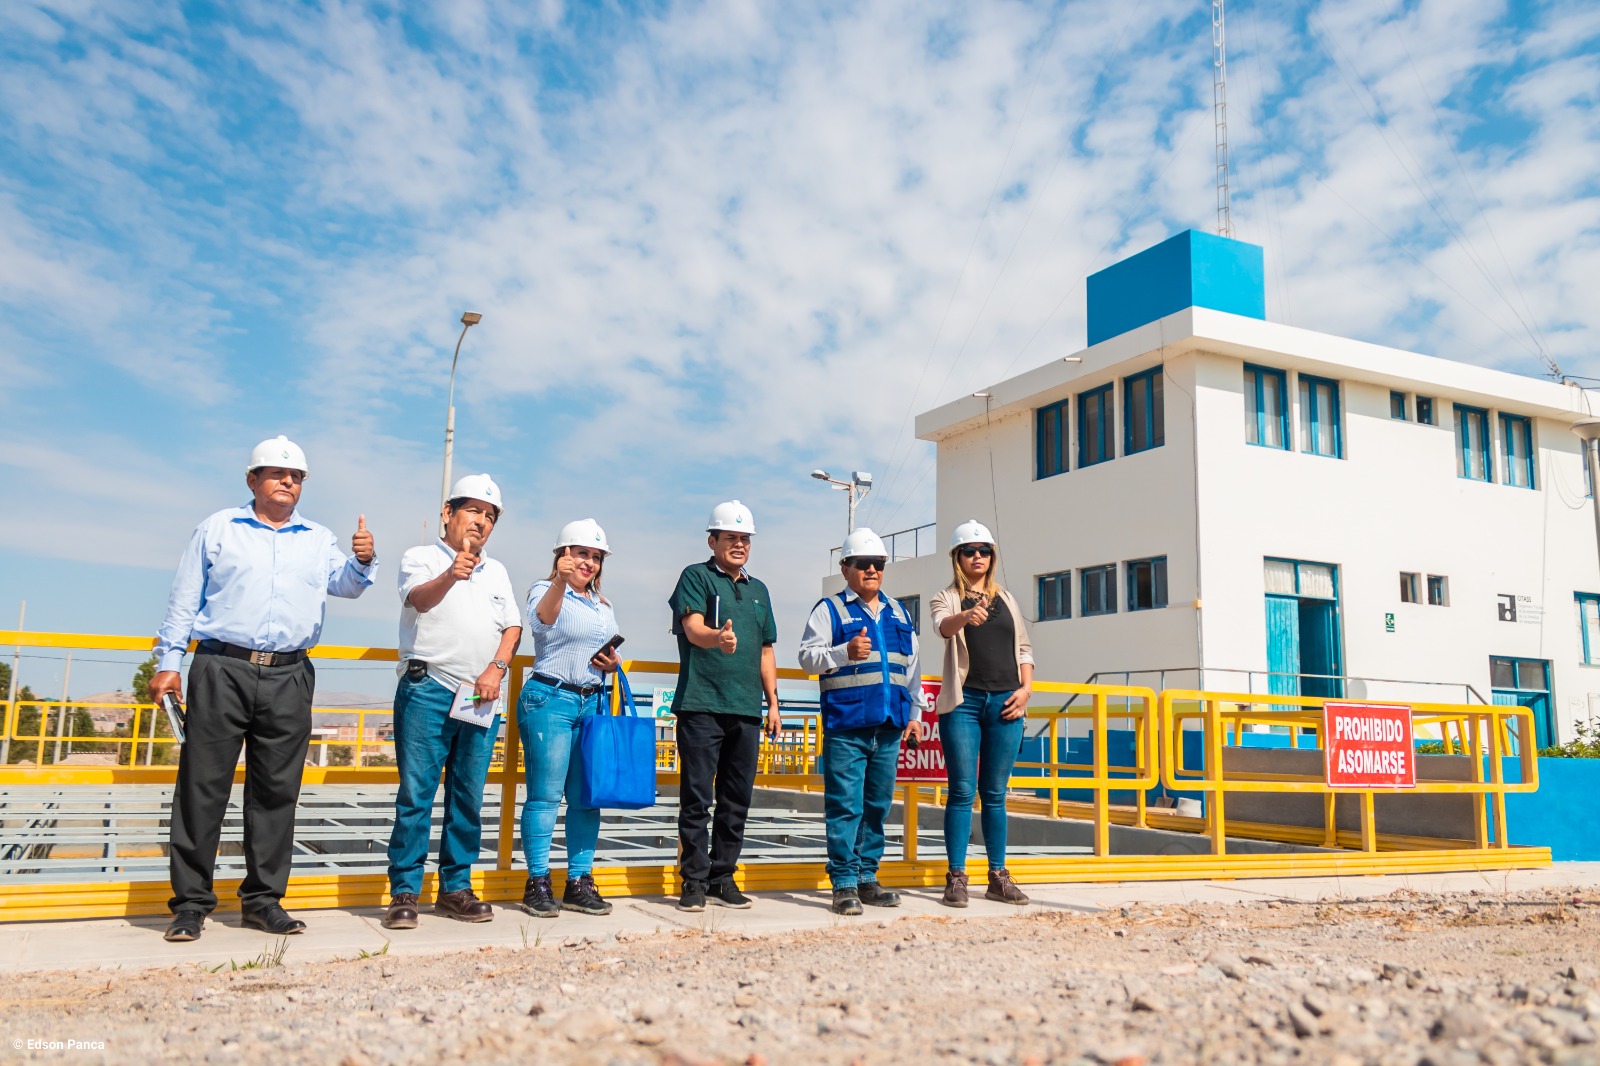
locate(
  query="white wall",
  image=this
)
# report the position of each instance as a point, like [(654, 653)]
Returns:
[(1393, 503)]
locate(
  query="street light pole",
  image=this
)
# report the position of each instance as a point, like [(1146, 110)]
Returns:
[(857, 487), (468, 320), (1588, 431)]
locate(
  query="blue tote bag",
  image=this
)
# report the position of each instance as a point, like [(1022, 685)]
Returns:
[(619, 757)]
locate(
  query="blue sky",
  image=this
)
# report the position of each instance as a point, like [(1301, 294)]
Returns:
[(715, 246)]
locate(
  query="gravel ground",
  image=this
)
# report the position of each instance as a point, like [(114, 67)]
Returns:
[(1405, 979)]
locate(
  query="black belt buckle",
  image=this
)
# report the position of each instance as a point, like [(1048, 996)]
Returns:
[(416, 669)]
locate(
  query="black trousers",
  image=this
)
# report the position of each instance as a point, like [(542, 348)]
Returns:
[(267, 710), (716, 761)]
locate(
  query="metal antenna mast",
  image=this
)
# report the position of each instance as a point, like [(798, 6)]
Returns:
[(1219, 111)]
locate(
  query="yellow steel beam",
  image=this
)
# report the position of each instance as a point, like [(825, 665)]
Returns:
[(34, 902)]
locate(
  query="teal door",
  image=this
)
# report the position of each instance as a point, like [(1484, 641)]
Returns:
[(1526, 683), (1303, 629), (1283, 645)]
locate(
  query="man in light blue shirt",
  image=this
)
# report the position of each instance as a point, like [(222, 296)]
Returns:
[(252, 588)]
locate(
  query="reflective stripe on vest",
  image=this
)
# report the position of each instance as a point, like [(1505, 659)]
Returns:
[(847, 693)]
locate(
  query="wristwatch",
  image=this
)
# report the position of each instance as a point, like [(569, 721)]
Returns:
[(501, 663)]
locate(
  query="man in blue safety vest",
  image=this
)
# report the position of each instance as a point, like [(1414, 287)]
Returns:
[(864, 650)]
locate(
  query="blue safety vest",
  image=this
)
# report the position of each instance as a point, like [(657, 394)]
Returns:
[(875, 690)]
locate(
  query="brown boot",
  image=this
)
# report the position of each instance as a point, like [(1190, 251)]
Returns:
[(463, 906), (402, 913), (1004, 890), (955, 889)]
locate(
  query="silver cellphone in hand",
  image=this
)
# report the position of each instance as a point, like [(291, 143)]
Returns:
[(175, 715)]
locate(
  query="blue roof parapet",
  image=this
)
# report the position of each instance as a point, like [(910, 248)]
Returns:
[(1191, 269)]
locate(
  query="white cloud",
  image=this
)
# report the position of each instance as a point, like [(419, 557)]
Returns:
[(723, 244)]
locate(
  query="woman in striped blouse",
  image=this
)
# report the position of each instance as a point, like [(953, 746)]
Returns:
[(570, 621)]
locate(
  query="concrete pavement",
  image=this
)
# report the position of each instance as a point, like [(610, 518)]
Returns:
[(131, 943)]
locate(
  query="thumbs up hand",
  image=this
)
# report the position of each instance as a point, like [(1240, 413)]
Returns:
[(860, 647), (726, 639), (361, 543), (467, 561), (567, 569)]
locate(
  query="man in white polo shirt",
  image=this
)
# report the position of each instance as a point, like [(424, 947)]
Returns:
[(459, 626)]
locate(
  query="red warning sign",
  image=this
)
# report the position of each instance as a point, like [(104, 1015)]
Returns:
[(926, 761), (1369, 745)]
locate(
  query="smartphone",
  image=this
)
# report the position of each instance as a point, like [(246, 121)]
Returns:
[(914, 742), (175, 715), (611, 645)]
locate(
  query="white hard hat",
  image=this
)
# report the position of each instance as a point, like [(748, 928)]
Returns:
[(584, 533), (279, 451), (732, 516), (478, 487), (971, 531), (863, 542)]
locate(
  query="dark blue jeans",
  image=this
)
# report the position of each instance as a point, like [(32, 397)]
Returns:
[(427, 741), (549, 720), (979, 752), (858, 790)]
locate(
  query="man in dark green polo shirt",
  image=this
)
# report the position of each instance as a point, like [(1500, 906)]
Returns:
[(726, 665)]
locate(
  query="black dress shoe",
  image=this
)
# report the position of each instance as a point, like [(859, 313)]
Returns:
[(875, 895), (273, 919), (186, 925)]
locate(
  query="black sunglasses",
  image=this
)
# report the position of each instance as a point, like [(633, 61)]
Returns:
[(875, 563), (969, 550)]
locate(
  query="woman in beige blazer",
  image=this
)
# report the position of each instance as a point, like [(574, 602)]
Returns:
[(988, 679)]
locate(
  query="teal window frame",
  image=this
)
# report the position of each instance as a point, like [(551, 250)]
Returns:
[(1397, 405), (1103, 580), (1467, 450), (1258, 418), (1093, 453), (1143, 407), (1153, 571), (1050, 456), (1055, 596), (1319, 408), (1517, 432), (1587, 602)]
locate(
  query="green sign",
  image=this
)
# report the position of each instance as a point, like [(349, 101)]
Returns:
[(1388, 622)]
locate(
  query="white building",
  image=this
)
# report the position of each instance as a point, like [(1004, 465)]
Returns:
[(1208, 499)]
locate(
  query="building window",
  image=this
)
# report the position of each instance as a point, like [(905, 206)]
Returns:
[(1147, 583), (1050, 446), (1410, 588), (913, 608), (1096, 421), (1518, 434), (1266, 415), (1424, 411), (1438, 591), (1099, 585), (1143, 413), (1472, 444), (1319, 416), (1397, 405), (1589, 626), (1055, 596)]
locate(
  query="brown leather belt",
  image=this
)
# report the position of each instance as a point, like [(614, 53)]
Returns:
[(250, 655)]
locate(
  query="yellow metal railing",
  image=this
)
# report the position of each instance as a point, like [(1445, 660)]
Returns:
[(1139, 708), (790, 761), (1223, 716)]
